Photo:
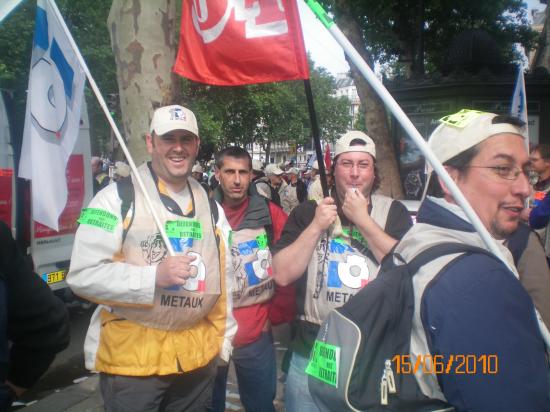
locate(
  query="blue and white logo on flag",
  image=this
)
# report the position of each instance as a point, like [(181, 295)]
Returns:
[(52, 120)]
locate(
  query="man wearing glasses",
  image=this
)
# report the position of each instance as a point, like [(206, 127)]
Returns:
[(470, 306), (335, 247)]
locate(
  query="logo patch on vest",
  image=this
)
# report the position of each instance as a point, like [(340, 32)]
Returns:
[(153, 249), (259, 269), (353, 272)]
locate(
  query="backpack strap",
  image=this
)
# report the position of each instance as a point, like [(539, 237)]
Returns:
[(125, 189), (442, 249)]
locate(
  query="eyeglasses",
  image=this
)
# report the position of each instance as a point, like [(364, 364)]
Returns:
[(507, 172), (348, 164)]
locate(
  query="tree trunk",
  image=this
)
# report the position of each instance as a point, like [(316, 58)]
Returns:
[(144, 45), (376, 118), (542, 55)]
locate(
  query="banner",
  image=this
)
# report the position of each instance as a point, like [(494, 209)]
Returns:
[(234, 42), (518, 107), (328, 158), (52, 119)]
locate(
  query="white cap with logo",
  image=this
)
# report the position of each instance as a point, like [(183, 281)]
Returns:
[(463, 130), (175, 117), (343, 144)]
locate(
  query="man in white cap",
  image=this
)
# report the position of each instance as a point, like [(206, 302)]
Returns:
[(314, 188), (197, 172), (335, 248), (295, 192), (276, 183), (470, 308), (162, 320)]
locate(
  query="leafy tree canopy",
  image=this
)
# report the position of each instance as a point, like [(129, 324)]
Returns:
[(275, 112), (391, 28)]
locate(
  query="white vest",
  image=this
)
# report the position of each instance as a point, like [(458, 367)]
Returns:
[(176, 307), (337, 270)]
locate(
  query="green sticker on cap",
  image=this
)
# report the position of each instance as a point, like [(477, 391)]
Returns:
[(184, 229), (100, 218), (324, 363), (462, 118), (262, 241)]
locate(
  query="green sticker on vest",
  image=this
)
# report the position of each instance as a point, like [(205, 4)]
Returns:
[(184, 229), (324, 363), (100, 218), (230, 238), (262, 241), (355, 234), (461, 119)]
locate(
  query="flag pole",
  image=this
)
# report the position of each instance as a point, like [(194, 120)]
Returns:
[(316, 137), (114, 127), (405, 122)]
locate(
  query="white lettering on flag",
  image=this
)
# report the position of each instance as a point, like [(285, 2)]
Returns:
[(52, 119)]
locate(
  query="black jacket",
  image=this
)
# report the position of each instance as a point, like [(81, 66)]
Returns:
[(37, 321)]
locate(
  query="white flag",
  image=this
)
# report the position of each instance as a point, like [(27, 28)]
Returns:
[(52, 119), (518, 108)]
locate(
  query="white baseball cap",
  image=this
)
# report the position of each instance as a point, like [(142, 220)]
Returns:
[(343, 144), (293, 171), (257, 165), (175, 117), (197, 169), (273, 169), (122, 169), (461, 131)]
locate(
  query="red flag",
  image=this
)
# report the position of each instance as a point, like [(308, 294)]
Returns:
[(232, 42), (328, 160)]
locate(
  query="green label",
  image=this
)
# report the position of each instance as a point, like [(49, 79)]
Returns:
[(461, 119), (99, 218), (324, 363), (230, 238), (320, 13), (262, 241), (184, 229), (355, 234)]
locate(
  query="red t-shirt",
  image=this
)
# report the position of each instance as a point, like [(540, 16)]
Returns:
[(252, 319)]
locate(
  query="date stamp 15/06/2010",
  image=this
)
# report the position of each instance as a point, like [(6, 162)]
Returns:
[(458, 364)]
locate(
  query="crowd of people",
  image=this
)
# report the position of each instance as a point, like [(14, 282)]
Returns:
[(246, 247)]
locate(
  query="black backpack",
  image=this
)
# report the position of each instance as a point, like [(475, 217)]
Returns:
[(363, 336)]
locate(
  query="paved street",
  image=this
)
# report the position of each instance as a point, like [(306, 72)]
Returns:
[(69, 387)]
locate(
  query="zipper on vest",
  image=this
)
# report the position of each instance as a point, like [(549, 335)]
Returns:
[(387, 383)]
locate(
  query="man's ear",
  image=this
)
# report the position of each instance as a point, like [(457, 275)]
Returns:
[(198, 146), (454, 173), (150, 143)]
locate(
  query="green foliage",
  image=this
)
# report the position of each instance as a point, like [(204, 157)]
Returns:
[(87, 22), (275, 112), (236, 115), (391, 27)]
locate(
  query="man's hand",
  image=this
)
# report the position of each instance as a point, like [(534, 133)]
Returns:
[(325, 214), (355, 206), (174, 270)]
